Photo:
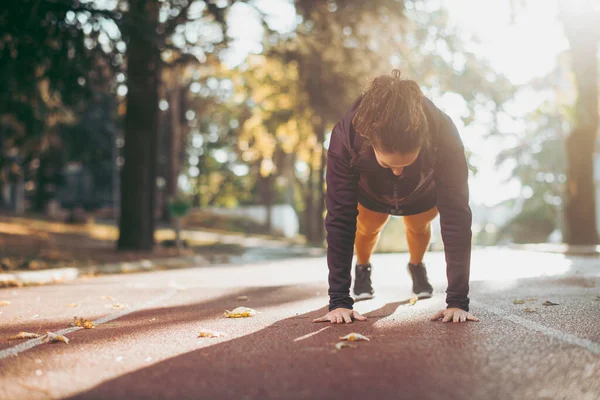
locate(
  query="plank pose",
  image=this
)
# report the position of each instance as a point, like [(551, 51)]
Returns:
[(396, 153)]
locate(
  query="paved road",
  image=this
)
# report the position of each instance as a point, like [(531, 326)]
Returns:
[(150, 350)]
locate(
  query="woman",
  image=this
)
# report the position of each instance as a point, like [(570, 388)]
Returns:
[(395, 153)]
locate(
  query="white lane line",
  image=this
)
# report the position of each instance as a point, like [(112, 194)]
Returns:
[(311, 334), (15, 350), (562, 336)]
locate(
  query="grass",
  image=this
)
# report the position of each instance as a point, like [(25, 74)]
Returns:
[(32, 244)]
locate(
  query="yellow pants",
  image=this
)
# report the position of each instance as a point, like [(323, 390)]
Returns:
[(370, 223)]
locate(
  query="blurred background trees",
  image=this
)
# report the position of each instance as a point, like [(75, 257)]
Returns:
[(119, 106)]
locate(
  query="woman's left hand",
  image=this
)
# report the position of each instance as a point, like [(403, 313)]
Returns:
[(455, 315)]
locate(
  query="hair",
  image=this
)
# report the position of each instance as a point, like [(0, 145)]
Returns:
[(391, 115)]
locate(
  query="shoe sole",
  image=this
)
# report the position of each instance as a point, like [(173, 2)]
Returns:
[(363, 296), (424, 295)]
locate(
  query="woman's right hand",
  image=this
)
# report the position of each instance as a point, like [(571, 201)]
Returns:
[(341, 315)]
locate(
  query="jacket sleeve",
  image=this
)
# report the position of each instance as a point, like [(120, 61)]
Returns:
[(451, 177), (340, 223)]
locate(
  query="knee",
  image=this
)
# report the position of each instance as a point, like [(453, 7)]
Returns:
[(367, 230), (419, 229)]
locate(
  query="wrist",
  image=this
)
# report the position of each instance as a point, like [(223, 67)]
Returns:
[(340, 302)]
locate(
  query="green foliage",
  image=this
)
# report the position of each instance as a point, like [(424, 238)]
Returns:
[(179, 206), (539, 162)]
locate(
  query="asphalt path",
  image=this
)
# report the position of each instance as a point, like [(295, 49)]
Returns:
[(146, 345)]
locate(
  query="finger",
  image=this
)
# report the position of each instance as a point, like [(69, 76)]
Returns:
[(447, 317), (359, 317), (438, 315), (472, 318), (322, 319), (338, 319), (463, 317), (456, 318), (347, 317)]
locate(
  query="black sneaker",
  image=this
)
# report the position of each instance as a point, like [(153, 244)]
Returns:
[(421, 286), (363, 290)]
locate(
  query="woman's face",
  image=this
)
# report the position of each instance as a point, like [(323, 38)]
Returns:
[(396, 161)]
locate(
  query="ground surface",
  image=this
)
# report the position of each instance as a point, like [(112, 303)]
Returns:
[(151, 350), (32, 243)]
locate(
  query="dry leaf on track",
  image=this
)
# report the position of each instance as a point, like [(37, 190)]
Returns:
[(549, 303), (210, 334), (353, 337), (519, 301), (116, 306), (341, 345), (73, 305), (106, 298), (83, 323), (23, 335), (413, 300), (530, 310), (50, 337), (240, 312), (4, 303)]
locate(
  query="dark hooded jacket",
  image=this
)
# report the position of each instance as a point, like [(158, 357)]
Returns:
[(438, 177)]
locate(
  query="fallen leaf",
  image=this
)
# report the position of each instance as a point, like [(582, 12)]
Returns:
[(242, 298), (413, 301), (530, 310), (4, 303), (240, 312), (531, 299), (519, 301), (106, 298), (116, 306), (549, 303), (50, 337), (23, 335), (353, 337), (72, 305), (210, 334), (341, 345), (83, 323)]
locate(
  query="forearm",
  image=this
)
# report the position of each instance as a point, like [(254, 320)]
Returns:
[(340, 223), (340, 238), (456, 233)]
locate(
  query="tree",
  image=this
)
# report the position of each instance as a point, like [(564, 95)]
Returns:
[(277, 131), (538, 157), (156, 33), (580, 20), (49, 70)]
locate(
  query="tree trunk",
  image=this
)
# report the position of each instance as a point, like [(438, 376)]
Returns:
[(580, 208), (175, 139), (320, 209), (310, 203), (269, 198), (138, 183), (174, 132)]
